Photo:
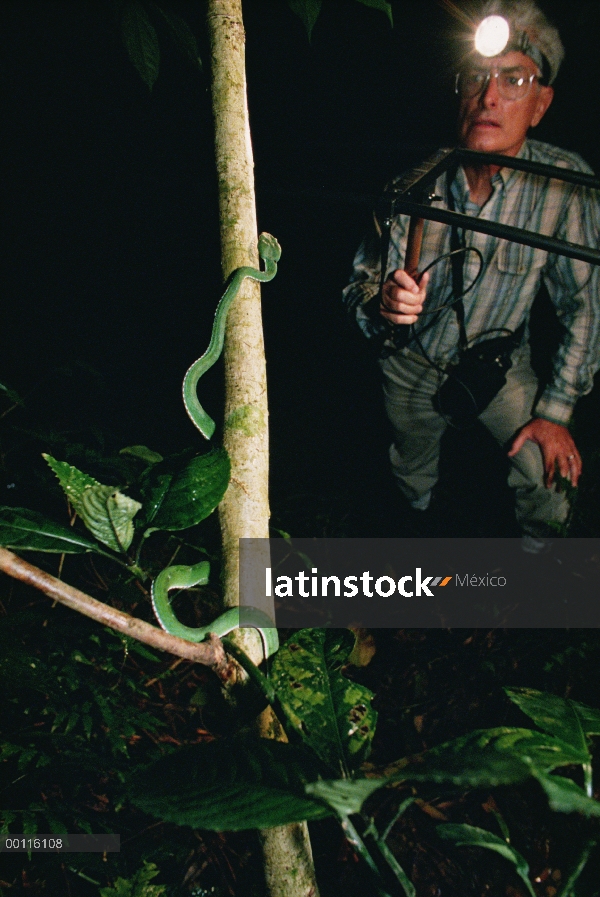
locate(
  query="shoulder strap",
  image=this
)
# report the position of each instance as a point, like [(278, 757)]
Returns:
[(457, 262)]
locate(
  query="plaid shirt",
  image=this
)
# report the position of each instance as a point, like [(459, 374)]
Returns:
[(512, 273)]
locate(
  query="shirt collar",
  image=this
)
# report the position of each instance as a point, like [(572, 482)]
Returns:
[(508, 174), (460, 187)]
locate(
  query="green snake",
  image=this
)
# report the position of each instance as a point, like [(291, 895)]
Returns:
[(181, 576), (270, 252)]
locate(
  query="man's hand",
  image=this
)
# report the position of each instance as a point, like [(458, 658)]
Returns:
[(559, 451), (403, 298)]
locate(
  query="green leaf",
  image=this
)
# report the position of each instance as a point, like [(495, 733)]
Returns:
[(470, 836), (182, 35), (122, 888), (30, 826), (558, 716), (308, 10), (229, 785), (573, 722), (137, 886), (565, 796), (107, 513), (140, 40), (590, 718), (142, 452), (182, 498), (26, 530), (73, 482), (154, 486), (344, 796), (8, 817), (488, 757), (383, 5), (332, 714)]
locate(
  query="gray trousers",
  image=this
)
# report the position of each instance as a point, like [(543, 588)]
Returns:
[(409, 384)]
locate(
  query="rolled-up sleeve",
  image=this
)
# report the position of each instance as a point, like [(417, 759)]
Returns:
[(363, 288)]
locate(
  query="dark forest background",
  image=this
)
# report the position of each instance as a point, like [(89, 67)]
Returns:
[(110, 260), (109, 277)]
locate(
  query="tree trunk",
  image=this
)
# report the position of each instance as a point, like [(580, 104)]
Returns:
[(245, 508), (244, 512)]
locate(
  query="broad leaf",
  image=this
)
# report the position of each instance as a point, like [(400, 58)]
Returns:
[(182, 35), (558, 716), (345, 796), (154, 485), (140, 40), (488, 757), (572, 722), (184, 497), (142, 453), (308, 10), (107, 513), (230, 784), (332, 714), (470, 836), (73, 482), (590, 718), (383, 5), (565, 796), (26, 530)]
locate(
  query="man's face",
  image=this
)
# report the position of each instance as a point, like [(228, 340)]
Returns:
[(490, 123)]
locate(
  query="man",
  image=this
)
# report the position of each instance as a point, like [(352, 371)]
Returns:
[(501, 97)]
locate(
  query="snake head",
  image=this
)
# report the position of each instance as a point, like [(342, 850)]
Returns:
[(268, 248)]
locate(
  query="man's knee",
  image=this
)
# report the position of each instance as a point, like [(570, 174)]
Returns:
[(527, 466)]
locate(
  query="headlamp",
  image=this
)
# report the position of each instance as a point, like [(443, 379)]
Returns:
[(494, 37)]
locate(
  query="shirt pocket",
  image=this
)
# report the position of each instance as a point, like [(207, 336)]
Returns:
[(515, 258)]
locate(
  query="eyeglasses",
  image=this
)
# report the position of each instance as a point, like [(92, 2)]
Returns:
[(513, 83)]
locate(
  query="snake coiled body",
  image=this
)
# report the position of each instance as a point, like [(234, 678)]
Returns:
[(180, 576), (186, 577)]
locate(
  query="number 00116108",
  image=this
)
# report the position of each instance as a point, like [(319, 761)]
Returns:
[(21, 843)]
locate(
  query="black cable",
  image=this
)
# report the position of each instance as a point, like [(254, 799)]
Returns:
[(435, 311), (475, 280), (416, 335)]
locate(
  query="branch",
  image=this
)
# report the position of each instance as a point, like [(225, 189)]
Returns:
[(210, 653)]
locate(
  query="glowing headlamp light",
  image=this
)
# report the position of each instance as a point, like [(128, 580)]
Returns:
[(492, 36)]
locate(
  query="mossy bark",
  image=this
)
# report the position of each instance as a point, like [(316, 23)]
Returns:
[(244, 512)]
